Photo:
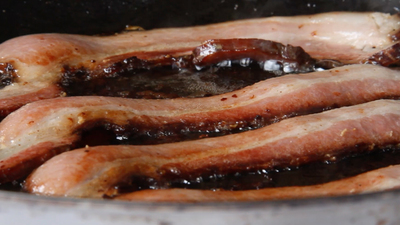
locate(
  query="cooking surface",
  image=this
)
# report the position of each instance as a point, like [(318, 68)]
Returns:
[(372, 209)]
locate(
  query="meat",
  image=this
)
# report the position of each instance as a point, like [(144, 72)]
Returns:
[(238, 59), (271, 56), (377, 180), (271, 124), (39, 60), (42, 129), (93, 172)]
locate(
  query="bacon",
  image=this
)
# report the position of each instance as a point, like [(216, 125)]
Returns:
[(39, 130), (271, 56), (383, 179), (263, 59), (38, 60), (93, 172)]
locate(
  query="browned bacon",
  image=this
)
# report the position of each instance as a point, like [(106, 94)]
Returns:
[(41, 129), (271, 56), (377, 180), (93, 172), (38, 60)]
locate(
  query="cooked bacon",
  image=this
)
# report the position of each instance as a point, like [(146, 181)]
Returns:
[(258, 60), (271, 56), (39, 130), (39, 59), (20, 94), (93, 172), (383, 179)]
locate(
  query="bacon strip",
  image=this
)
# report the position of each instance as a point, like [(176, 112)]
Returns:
[(257, 55), (93, 172), (267, 53), (30, 136), (383, 179), (40, 59)]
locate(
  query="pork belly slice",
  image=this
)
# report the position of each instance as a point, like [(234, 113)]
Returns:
[(39, 130), (38, 60), (95, 171), (383, 179)]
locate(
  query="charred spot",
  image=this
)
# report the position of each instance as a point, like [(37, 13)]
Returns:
[(386, 57), (7, 74)]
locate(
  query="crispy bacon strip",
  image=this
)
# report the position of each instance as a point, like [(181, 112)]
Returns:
[(39, 59), (383, 179), (42, 129), (267, 53), (93, 172)]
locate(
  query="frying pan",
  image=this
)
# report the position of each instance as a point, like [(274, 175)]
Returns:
[(109, 16)]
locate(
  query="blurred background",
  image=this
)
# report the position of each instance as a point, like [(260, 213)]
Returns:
[(108, 16)]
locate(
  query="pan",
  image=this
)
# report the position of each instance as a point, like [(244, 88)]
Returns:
[(109, 16)]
